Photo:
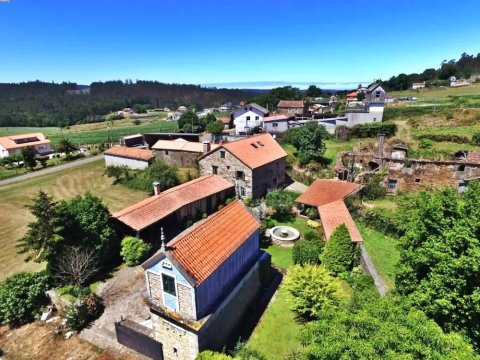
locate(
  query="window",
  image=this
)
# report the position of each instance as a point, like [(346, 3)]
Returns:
[(222, 154), (257, 117), (214, 169), (250, 109), (243, 192), (166, 152), (461, 168), (228, 167), (248, 118), (246, 109), (254, 145), (275, 124), (377, 94), (169, 285), (417, 180), (392, 184), (240, 175), (260, 143), (462, 186)]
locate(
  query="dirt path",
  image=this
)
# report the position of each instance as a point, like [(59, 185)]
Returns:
[(51, 170), (404, 130)]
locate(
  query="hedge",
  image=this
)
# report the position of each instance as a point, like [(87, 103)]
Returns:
[(373, 129), (460, 139)]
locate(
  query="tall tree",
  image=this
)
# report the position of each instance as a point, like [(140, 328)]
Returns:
[(28, 156), (309, 141), (314, 91), (43, 235), (66, 146), (338, 254)]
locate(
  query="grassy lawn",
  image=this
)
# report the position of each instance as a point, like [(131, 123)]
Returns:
[(62, 185), (281, 256), (297, 222), (382, 249), (454, 130)]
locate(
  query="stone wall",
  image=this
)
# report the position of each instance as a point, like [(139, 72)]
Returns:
[(185, 301), (267, 177), (178, 158), (155, 284)]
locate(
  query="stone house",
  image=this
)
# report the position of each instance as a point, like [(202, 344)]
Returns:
[(200, 285), (172, 208), (328, 197), (248, 117), (13, 144), (132, 158), (292, 107), (181, 152), (255, 165)]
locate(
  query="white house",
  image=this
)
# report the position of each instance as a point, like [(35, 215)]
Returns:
[(248, 116), (419, 85), (132, 158), (15, 143)]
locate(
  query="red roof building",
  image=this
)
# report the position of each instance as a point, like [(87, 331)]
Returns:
[(13, 144)]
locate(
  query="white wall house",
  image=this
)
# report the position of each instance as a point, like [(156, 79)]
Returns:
[(249, 116), (131, 158), (15, 143)]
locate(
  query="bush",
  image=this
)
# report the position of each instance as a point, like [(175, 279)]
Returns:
[(212, 355), (312, 213), (313, 224), (87, 309), (21, 296), (281, 201), (338, 254), (476, 138), (307, 251), (134, 250), (313, 290), (373, 129)]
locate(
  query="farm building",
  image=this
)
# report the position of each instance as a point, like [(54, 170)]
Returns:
[(133, 141), (201, 283), (13, 144), (132, 158), (181, 152), (291, 107), (255, 165), (173, 208), (328, 197), (248, 117)]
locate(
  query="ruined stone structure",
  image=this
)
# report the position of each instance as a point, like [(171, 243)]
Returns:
[(180, 152), (255, 165)]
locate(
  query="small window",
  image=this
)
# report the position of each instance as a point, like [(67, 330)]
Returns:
[(248, 118), (275, 124), (417, 180), (250, 108), (260, 143), (392, 184), (169, 284), (377, 94), (228, 167), (246, 109), (240, 175), (166, 152), (461, 168), (243, 192), (214, 170), (257, 117), (222, 154), (254, 145)]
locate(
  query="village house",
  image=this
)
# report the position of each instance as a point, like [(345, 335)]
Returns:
[(13, 144), (181, 152), (276, 123), (291, 107), (255, 165), (247, 117), (420, 85), (372, 110), (173, 208), (328, 197), (351, 97), (132, 158), (201, 284), (227, 122)]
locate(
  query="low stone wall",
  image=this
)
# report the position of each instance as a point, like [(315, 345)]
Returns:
[(369, 268)]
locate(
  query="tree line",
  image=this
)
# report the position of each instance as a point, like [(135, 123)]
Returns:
[(54, 104)]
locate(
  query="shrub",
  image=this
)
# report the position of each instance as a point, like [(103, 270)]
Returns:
[(313, 224), (281, 201), (307, 251), (21, 296), (312, 213), (338, 254), (313, 290), (87, 309), (136, 122), (134, 250), (212, 355), (425, 144), (476, 138), (373, 129)]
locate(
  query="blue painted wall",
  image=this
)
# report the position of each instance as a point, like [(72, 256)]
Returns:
[(221, 281)]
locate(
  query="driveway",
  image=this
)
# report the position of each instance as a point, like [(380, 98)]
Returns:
[(51, 170)]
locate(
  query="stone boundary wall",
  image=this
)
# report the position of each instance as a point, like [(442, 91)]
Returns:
[(369, 268)]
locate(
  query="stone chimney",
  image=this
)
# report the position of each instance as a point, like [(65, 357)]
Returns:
[(156, 188), (206, 146)]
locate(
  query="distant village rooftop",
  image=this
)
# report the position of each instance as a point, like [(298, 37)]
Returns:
[(181, 145), (18, 141), (290, 104), (130, 153), (275, 118)]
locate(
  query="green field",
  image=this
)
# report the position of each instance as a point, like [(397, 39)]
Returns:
[(383, 252), (62, 185), (439, 93)]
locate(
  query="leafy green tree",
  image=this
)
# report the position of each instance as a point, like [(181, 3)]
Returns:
[(338, 254), (28, 156), (134, 250), (314, 91), (215, 127), (360, 96), (440, 258), (208, 119), (308, 250), (313, 289), (281, 201), (383, 329), (21, 297), (164, 173), (309, 142), (476, 138), (43, 235), (115, 172), (190, 118), (66, 146)]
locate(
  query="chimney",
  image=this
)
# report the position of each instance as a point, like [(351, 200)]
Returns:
[(156, 188), (206, 146)]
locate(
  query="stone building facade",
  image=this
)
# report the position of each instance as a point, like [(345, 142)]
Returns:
[(178, 158)]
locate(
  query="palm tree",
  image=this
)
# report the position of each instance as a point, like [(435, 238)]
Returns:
[(66, 146)]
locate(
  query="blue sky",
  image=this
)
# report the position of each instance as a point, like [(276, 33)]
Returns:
[(213, 41)]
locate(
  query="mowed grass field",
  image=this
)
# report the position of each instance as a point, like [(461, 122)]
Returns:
[(14, 216), (439, 93)]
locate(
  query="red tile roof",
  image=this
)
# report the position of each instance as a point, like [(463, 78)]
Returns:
[(324, 191), (8, 142), (206, 246), (157, 207), (352, 95), (224, 120), (290, 104), (334, 214), (131, 153), (275, 118), (255, 151), (473, 157)]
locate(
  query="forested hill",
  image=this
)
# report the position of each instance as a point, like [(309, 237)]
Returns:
[(464, 67), (51, 104)]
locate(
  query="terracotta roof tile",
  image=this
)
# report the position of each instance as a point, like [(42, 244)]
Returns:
[(224, 120), (275, 118), (157, 207), (352, 94), (181, 145), (334, 214), (255, 151), (206, 246), (324, 191), (8, 142), (131, 153), (290, 104)]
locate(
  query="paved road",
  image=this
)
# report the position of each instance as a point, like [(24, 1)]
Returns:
[(51, 170)]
